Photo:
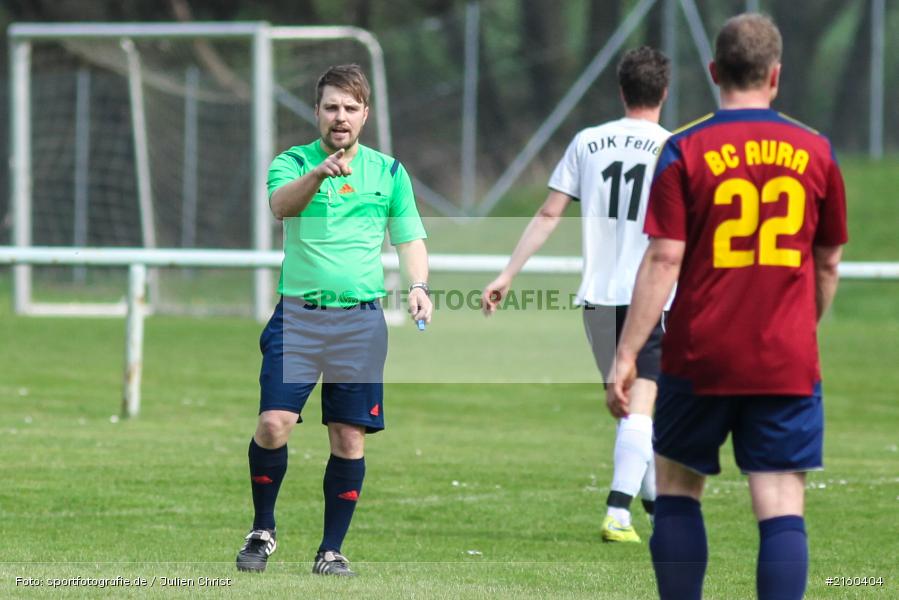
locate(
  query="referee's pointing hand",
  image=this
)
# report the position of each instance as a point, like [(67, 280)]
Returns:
[(335, 165)]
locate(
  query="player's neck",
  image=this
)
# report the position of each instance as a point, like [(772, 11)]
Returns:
[(647, 114), (756, 98)]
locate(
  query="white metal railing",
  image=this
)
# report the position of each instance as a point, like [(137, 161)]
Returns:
[(137, 260), (249, 259)]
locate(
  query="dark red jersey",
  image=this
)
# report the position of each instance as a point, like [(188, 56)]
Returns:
[(751, 192)]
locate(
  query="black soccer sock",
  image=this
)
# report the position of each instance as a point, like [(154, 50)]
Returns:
[(679, 548), (649, 506), (342, 485), (619, 500), (783, 558), (267, 468)]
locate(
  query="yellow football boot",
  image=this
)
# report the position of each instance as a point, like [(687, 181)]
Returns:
[(612, 531)]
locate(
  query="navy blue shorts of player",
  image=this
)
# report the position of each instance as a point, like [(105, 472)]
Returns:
[(770, 433), (603, 325), (347, 347)]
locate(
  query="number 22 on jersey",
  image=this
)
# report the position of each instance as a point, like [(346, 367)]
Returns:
[(747, 224)]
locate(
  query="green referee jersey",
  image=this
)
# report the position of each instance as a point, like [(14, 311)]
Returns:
[(332, 250)]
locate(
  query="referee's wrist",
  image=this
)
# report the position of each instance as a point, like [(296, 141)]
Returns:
[(420, 285)]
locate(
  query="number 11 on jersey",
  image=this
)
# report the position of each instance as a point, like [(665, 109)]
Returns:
[(634, 175)]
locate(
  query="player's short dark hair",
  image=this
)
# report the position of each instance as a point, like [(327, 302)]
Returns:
[(348, 78), (643, 75), (746, 48)]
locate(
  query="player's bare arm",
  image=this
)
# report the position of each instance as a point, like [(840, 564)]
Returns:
[(414, 266), (827, 259), (532, 239), (655, 279), (289, 200)]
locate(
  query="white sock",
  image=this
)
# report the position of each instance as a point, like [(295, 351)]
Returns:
[(633, 453), (622, 515)]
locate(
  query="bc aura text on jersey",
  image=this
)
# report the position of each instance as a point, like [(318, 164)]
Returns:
[(757, 152)]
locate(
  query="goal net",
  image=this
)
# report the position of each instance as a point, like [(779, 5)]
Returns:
[(142, 138)]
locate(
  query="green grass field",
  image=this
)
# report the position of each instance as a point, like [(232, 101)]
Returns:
[(474, 491)]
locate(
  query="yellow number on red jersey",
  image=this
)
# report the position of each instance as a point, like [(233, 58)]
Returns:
[(724, 256)]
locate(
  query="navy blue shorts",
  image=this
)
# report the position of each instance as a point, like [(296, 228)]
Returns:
[(770, 433), (346, 347)]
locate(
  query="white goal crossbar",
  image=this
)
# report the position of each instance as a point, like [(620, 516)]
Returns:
[(137, 260)]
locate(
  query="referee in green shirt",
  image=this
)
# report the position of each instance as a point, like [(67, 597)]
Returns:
[(337, 199)]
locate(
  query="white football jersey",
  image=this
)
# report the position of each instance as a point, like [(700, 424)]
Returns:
[(609, 169)]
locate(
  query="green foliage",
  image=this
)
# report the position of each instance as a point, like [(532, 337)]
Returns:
[(530, 67)]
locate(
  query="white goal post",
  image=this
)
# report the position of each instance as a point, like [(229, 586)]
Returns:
[(265, 96), (137, 260)]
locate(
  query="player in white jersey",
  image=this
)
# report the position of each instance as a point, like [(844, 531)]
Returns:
[(608, 169)]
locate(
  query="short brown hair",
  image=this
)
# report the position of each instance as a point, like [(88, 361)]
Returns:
[(348, 78), (643, 75), (746, 48)]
